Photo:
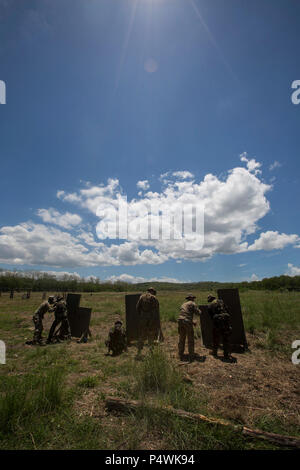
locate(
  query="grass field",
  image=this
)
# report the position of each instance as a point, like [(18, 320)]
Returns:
[(52, 397)]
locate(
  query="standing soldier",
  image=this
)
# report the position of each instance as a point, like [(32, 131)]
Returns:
[(11, 294), (186, 326), (149, 318), (38, 320), (221, 325), (61, 316)]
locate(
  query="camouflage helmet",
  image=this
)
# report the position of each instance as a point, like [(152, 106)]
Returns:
[(210, 298), (190, 297), (151, 290), (59, 297), (118, 322), (51, 299)]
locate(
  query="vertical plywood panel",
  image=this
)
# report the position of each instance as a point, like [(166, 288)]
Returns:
[(132, 320), (231, 299)]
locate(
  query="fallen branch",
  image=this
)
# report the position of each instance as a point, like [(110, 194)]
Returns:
[(129, 406)]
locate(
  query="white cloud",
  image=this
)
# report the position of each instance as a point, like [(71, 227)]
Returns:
[(252, 164), (274, 165), (62, 275), (52, 216), (233, 207), (292, 270), (183, 174), (93, 197), (254, 277), (138, 279), (143, 184), (36, 244), (273, 241)]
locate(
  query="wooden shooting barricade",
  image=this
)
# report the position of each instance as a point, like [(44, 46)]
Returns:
[(79, 317), (237, 338), (132, 319)]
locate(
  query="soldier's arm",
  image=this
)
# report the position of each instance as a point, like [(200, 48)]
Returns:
[(197, 310)]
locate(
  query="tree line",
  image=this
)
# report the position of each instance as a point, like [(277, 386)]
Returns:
[(43, 282)]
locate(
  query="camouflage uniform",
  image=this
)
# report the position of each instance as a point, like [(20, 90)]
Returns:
[(116, 341), (38, 321), (221, 325), (61, 316), (186, 326), (149, 318)]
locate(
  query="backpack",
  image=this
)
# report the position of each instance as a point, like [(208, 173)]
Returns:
[(221, 319)]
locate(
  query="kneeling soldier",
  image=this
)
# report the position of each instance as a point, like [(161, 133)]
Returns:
[(186, 326), (116, 341)]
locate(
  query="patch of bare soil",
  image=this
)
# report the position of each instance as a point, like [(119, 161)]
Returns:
[(257, 384)]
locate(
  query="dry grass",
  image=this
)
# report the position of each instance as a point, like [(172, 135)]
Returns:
[(260, 389)]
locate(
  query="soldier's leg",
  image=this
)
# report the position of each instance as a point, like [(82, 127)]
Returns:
[(38, 328), (40, 331), (52, 329), (141, 335), (66, 328), (191, 340), (226, 344), (152, 336), (182, 336), (216, 340)]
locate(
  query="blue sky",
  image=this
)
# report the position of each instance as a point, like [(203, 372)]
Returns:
[(103, 94)]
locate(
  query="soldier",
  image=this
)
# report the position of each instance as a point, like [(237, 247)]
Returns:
[(186, 326), (38, 320), (61, 316), (149, 318), (11, 294), (221, 325), (116, 341)]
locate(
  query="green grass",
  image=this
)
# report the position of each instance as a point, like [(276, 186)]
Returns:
[(181, 434), (157, 376), (38, 385), (33, 395), (89, 382)]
